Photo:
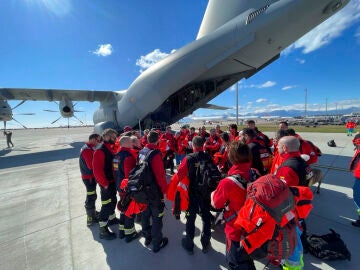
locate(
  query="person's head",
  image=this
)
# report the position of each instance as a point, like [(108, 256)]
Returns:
[(94, 139), (168, 129), (279, 134), (192, 130), (197, 142), (239, 153), (135, 142), (127, 128), (251, 124), (233, 128), (225, 137), (109, 135), (146, 132), (177, 134), (218, 127), (125, 141), (291, 132), (153, 137), (283, 125), (247, 134), (288, 144), (356, 140), (212, 132)]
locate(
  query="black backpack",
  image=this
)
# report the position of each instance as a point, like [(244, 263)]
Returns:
[(207, 174), (142, 185), (328, 246)]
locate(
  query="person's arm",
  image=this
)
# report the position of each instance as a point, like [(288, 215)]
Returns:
[(129, 164), (98, 169), (159, 172)]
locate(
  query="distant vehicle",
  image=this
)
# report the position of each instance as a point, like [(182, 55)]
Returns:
[(236, 40)]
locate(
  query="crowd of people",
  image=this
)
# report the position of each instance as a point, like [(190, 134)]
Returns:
[(242, 157)]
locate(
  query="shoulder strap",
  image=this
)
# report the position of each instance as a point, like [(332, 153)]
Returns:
[(238, 180)]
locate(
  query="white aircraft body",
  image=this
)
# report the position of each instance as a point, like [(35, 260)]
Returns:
[(236, 39)]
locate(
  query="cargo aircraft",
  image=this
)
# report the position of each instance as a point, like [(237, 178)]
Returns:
[(236, 39)]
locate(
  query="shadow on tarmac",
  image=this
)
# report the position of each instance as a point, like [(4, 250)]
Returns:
[(39, 157)]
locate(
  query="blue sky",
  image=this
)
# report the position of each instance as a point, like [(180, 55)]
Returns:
[(105, 44)]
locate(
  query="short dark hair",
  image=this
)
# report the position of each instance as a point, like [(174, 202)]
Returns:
[(284, 122), (108, 132), (239, 153), (233, 126), (281, 133), (250, 122), (197, 141), (291, 132), (153, 136), (250, 132), (225, 136), (94, 136)]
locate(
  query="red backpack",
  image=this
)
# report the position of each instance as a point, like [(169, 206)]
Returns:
[(268, 218)]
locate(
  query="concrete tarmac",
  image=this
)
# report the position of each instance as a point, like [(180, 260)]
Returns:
[(43, 221)]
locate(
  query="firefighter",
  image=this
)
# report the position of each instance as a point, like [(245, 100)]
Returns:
[(86, 170), (230, 195), (123, 163), (103, 172)]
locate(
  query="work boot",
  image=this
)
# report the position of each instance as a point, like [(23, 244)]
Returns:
[(130, 237), (205, 242), (106, 234), (121, 234), (162, 244), (92, 218), (188, 245), (148, 240)]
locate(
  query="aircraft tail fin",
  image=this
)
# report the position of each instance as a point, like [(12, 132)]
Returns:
[(220, 12)]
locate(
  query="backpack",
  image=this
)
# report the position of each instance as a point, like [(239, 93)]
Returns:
[(207, 174), (142, 185), (331, 143), (328, 246), (274, 197)]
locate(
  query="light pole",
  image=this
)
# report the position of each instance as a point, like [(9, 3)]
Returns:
[(305, 103), (237, 103)]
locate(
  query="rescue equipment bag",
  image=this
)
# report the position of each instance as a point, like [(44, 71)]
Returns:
[(328, 246), (141, 184), (208, 175), (331, 143), (270, 195)]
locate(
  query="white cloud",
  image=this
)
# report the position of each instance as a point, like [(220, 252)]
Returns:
[(300, 61), (261, 100), (103, 50), (264, 85), (328, 30), (267, 84), (357, 35), (287, 87), (146, 61)]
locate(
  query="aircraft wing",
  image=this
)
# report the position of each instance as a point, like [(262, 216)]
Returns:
[(58, 94), (214, 107)]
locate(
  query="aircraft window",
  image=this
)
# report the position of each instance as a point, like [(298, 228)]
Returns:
[(256, 13)]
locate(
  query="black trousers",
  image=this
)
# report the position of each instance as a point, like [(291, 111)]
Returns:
[(237, 259), (168, 159), (156, 213), (91, 196), (108, 202), (199, 204)]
